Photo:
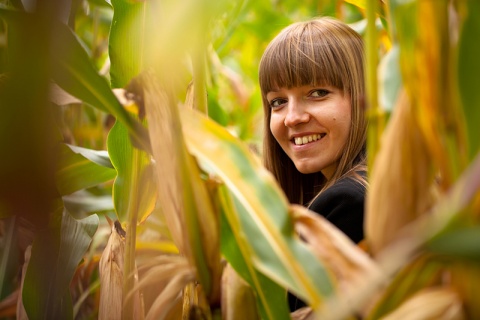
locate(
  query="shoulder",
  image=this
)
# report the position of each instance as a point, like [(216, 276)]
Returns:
[(343, 205)]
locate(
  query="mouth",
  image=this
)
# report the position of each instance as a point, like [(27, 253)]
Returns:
[(307, 139)]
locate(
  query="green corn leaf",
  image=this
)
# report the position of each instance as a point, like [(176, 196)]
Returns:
[(56, 253), (133, 188), (127, 40), (80, 168), (469, 70), (275, 249), (270, 297), (83, 201), (461, 243), (390, 79)]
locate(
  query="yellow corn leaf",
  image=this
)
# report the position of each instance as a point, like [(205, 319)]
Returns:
[(427, 69), (261, 209), (441, 303), (401, 180), (238, 300)]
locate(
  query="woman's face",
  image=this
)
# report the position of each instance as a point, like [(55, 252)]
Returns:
[(311, 124)]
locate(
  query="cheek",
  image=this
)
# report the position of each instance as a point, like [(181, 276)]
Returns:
[(276, 126)]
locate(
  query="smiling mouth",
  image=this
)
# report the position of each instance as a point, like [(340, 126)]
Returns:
[(307, 139)]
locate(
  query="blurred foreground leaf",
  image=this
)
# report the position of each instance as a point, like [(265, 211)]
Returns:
[(468, 73), (56, 253)]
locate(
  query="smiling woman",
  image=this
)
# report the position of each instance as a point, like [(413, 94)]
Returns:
[(312, 83)]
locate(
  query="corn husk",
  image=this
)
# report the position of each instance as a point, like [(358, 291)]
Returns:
[(441, 303), (111, 277), (401, 182)]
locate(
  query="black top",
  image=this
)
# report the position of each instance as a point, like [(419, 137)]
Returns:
[(343, 205)]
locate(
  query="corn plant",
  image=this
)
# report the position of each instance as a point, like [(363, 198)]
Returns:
[(201, 229)]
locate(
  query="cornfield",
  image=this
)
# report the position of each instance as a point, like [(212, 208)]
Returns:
[(131, 180)]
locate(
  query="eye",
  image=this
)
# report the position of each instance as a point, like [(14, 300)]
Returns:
[(278, 102), (319, 93)]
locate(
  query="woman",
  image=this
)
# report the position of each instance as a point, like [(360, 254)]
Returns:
[(312, 83)]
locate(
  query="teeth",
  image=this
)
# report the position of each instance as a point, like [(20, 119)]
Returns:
[(306, 139)]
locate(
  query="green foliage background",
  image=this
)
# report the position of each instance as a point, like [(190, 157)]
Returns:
[(68, 161)]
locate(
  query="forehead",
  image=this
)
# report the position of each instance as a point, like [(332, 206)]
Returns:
[(298, 61)]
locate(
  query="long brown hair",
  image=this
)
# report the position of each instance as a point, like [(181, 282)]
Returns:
[(316, 52)]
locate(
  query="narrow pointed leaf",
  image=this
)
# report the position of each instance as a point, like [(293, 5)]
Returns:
[(56, 253), (77, 171), (461, 243), (469, 71)]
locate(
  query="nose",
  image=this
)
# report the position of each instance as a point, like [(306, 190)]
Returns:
[(296, 114)]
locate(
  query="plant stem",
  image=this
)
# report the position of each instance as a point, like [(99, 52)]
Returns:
[(129, 263), (373, 113), (199, 77)]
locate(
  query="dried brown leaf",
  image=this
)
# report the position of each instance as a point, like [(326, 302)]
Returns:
[(440, 303), (346, 261), (168, 297), (238, 299)]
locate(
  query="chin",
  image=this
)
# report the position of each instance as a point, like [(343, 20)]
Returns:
[(307, 169)]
